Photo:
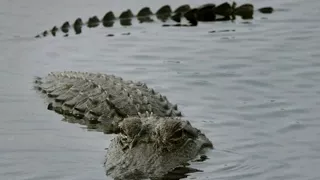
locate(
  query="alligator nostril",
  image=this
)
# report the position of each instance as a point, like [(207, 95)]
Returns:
[(50, 106), (207, 145)]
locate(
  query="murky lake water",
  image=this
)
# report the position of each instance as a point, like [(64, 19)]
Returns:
[(254, 91)]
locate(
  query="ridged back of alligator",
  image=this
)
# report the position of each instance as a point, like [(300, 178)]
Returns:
[(206, 12), (100, 98)]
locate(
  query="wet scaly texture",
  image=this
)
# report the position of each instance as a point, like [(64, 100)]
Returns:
[(160, 146), (101, 99)]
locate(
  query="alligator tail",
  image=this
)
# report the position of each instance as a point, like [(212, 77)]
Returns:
[(206, 12)]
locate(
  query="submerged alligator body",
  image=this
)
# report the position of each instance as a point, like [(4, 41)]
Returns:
[(156, 145), (99, 100), (206, 12)]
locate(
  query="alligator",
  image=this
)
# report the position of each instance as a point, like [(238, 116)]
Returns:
[(152, 140), (204, 13)]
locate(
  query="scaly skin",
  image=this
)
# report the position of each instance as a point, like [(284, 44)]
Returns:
[(206, 12), (154, 147), (101, 100)]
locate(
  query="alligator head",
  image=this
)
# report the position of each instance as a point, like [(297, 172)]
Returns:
[(151, 147)]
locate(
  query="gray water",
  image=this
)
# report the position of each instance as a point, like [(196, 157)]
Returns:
[(253, 91)]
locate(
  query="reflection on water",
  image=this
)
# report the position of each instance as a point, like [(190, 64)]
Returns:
[(253, 91)]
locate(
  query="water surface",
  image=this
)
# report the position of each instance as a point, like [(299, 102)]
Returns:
[(254, 90)]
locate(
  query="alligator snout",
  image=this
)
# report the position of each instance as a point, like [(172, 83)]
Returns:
[(205, 142)]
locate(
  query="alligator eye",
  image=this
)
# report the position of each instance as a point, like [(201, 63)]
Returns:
[(177, 134), (122, 132)]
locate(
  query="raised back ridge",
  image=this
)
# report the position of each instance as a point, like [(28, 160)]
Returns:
[(205, 12), (101, 99)]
